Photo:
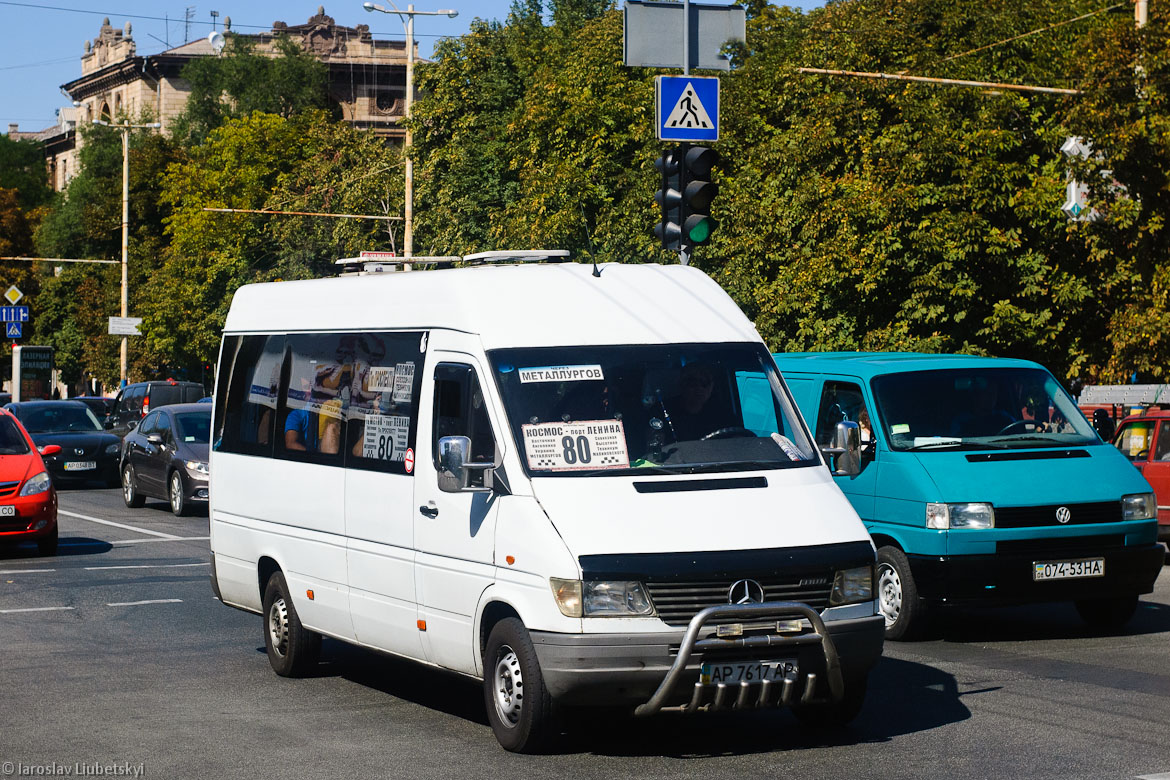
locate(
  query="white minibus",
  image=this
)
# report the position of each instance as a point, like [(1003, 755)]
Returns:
[(586, 486)]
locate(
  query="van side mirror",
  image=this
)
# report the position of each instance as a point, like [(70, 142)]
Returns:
[(846, 449), (455, 471)]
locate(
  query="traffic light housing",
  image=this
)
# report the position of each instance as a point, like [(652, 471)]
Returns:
[(684, 196)]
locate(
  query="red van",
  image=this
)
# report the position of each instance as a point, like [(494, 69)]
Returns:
[(1145, 440), (28, 500)]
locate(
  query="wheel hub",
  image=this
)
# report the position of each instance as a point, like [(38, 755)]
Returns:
[(278, 626), (176, 493), (889, 593), (127, 485), (508, 685)]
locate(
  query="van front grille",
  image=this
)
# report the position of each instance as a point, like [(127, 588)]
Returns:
[(1078, 514), (678, 602)]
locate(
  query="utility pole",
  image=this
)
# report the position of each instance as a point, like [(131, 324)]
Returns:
[(125, 129), (1141, 13)]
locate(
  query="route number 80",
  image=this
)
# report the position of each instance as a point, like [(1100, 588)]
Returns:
[(576, 450)]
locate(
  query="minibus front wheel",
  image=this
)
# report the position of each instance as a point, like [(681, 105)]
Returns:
[(292, 649), (898, 595), (518, 704)]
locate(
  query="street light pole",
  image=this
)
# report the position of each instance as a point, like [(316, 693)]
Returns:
[(125, 128), (407, 18)]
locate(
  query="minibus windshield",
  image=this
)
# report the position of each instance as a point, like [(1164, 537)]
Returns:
[(677, 408), (978, 408)]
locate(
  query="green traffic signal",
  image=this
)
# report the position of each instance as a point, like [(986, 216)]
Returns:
[(698, 193)]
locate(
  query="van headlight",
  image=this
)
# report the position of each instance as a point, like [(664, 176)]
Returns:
[(852, 586), (37, 485), (601, 598), (1143, 506), (950, 516)]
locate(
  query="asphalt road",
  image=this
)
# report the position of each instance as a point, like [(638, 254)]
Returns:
[(115, 654)]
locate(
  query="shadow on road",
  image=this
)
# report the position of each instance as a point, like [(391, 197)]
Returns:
[(1037, 622), (904, 697), (66, 546)]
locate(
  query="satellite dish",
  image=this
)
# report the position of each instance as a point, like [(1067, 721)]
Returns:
[(217, 41)]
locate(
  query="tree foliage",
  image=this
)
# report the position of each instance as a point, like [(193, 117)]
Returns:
[(22, 168)]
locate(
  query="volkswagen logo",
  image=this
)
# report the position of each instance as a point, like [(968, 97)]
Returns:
[(1063, 515), (745, 592)]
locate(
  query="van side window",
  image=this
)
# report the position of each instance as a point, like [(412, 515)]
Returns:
[(382, 416), (249, 385), (461, 410), (1162, 452), (132, 401), (314, 397), (842, 401)]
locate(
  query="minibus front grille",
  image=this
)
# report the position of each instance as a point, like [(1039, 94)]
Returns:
[(678, 602), (1039, 516)]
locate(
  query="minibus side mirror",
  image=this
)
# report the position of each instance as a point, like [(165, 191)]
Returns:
[(454, 470), (846, 449)]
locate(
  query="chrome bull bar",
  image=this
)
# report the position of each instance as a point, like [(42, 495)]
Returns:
[(745, 695)]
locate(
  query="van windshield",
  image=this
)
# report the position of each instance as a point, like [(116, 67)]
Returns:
[(978, 408), (678, 408)]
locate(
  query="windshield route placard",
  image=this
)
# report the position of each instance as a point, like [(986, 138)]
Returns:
[(561, 374), (576, 446)]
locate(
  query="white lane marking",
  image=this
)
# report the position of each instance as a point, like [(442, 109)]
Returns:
[(146, 531), (1159, 776), (140, 603), (149, 566), (176, 539), (33, 609), (24, 571)]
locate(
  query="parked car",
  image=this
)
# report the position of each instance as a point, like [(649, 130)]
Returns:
[(166, 457), (28, 500), (87, 452), (100, 405), (135, 401), (1145, 440)]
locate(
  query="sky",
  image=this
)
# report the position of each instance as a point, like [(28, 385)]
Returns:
[(41, 41)]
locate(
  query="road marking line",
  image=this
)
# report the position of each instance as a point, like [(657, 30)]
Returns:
[(140, 603), (33, 609), (176, 539), (1160, 775), (148, 566), (24, 571), (117, 525)]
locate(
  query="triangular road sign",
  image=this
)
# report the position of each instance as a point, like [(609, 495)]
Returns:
[(688, 112), (12, 330)]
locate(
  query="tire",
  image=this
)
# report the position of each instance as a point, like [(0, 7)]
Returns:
[(518, 704), (1108, 614), (898, 595), (293, 650), (48, 546), (837, 714), (130, 493), (177, 493)]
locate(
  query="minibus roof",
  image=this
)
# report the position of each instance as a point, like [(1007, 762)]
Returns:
[(869, 364), (508, 306)]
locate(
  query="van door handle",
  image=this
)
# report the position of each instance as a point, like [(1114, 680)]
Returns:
[(430, 511)]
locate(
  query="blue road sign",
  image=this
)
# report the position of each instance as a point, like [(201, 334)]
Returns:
[(12, 330), (13, 314), (686, 108)]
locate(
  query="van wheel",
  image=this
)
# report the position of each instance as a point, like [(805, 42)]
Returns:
[(130, 492), (177, 494), (293, 650), (1109, 614), (898, 595), (837, 714), (519, 707)]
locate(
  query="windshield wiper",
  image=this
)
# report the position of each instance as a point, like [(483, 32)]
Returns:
[(930, 445)]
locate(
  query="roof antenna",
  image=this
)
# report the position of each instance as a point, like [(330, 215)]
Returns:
[(592, 252)]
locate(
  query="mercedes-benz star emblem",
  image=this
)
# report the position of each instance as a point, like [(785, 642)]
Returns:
[(745, 592), (1063, 515)]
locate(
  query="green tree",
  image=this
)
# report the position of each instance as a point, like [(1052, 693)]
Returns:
[(22, 168)]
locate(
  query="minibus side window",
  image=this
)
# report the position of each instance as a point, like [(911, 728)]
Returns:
[(461, 410), (314, 397), (249, 381), (382, 416)]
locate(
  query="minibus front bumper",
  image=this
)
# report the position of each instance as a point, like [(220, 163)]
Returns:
[(1007, 577), (661, 671)]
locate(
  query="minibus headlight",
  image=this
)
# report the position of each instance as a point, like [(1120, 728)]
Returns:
[(36, 485), (601, 598), (1143, 506), (950, 516), (852, 586)]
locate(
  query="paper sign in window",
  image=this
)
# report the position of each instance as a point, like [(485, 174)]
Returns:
[(560, 374), (380, 379), (576, 446), (385, 437), (403, 383)]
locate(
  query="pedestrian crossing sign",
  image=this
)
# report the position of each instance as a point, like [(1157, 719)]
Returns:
[(12, 330), (686, 108)]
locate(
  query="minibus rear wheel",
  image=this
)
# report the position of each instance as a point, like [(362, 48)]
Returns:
[(898, 595), (519, 707), (293, 650), (1107, 614)]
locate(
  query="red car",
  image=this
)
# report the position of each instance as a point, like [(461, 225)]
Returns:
[(1145, 440), (28, 500)]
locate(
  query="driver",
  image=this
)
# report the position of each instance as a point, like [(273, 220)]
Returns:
[(983, 417), (692, 414)]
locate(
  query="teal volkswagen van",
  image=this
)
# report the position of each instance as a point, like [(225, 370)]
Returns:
[(980, 483)]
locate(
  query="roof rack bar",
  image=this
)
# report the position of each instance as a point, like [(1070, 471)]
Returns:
[(519, 255)]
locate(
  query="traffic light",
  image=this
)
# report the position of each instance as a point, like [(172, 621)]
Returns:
[(669, 198), (698, 192)]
